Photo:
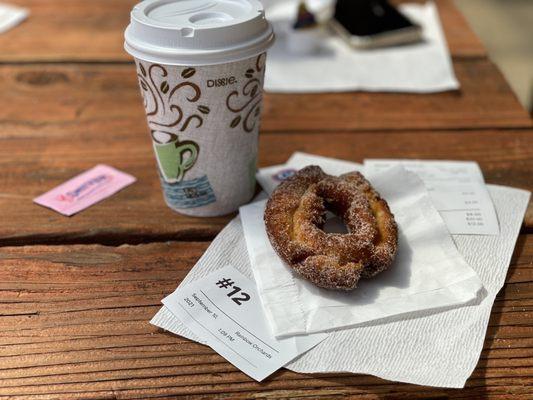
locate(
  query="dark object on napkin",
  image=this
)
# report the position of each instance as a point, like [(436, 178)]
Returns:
[(304, 18), (373, 23)]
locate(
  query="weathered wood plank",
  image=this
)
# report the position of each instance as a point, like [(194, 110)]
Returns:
[(45, 98), (32, 163), (484, 101), (74, 323), (77, 30)]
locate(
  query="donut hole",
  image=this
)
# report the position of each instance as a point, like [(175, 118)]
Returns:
[(334, 223)]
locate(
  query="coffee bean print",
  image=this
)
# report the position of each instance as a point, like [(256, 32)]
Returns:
[(235, 121), (188, 72), (246, 102), (204, 109), (249, 73), (160, 92), (143, 71)]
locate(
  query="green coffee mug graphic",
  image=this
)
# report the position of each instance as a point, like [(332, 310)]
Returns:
[(175, 158)]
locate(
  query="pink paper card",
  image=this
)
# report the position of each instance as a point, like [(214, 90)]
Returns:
[(84, 190)]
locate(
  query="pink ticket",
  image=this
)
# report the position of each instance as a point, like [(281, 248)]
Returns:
[(84, 190)]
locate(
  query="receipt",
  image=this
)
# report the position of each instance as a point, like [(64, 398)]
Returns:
[(224, 309), (457, 190), (270, 177)]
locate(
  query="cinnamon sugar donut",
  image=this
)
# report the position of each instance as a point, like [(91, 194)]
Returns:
[(295, 215)]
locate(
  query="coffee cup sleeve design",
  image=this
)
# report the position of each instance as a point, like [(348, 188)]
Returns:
[(188, 194), (204, 123), (247, 103), (161, 100), (174, 158)]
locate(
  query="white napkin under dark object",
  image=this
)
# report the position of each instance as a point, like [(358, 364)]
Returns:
[(423, 67)]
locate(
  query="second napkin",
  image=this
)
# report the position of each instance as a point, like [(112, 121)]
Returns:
[(428, 273)]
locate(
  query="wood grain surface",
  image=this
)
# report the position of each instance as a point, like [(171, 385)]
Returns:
[(138, 213), (74, 322), (59, 98), (76, 294), (92, 31)]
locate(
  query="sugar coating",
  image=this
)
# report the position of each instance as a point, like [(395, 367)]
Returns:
[(295, 215)]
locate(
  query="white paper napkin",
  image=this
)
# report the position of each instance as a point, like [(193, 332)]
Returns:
[(428, 273), (434, 349), (421, 67), (440, 349), (11, 16), (457, 190), (270, 177), (428, 348)]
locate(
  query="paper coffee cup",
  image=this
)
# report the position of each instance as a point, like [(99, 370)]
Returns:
[(200, 67)]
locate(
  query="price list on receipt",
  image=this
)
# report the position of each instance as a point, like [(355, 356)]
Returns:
[(457, 190), (224, 309)]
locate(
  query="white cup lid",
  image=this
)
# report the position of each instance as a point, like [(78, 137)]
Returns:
[(197, 32)]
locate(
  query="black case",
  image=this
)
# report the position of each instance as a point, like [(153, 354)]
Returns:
[(373, 23)]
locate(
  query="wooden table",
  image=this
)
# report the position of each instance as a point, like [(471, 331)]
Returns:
[(76, 293)]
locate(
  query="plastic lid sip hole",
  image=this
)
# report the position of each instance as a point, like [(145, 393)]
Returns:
[(209, 18)]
